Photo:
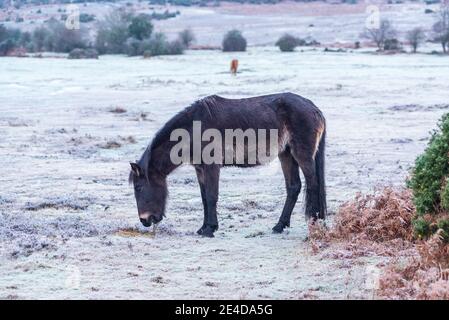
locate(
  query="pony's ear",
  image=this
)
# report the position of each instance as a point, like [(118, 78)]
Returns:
[(136, 169)]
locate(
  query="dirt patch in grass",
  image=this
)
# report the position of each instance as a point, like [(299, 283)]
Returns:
[(131, 233)]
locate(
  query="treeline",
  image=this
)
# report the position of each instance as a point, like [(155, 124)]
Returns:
[(54, 36), (123, 32), (19, 3), (188, 3), (203, 3), (120, 32), (385, 35)]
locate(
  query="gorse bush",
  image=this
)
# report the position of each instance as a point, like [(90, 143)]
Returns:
[(234, 41), (287, 43), (392, 44), (155, 46), (429, 183), (431, 170)]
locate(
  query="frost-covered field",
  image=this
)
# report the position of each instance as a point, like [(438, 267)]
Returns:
[(68, 130)]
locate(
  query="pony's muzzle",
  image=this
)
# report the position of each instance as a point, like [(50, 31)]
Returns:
[(146, 222), (147, 219)]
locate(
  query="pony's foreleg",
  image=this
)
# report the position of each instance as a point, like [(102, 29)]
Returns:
[(293, 185), (210, 175), (200, 176)]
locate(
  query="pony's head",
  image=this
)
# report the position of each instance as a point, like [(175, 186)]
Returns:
[(150, 190)]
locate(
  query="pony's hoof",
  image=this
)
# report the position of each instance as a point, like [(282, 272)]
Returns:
[(208, 235), (279, 228), (207, 231), (200, 230)]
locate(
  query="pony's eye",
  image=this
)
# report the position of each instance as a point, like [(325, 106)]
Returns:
[(138, 188)]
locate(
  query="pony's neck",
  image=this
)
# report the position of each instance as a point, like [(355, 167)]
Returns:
[(160, 160), (159, 153)]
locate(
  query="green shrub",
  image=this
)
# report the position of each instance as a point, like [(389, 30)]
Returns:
[(158, 45), (141, 26), (429, 181), (133, 47), (175, 47), (430, 171), (85, 17), (287, 43), (6, 46), (445, 196), (392, 44), (421, 227), (83, 54), (234, 41)]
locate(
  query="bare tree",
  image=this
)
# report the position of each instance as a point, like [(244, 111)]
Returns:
[(379, 35), (186, 37), (441, 27), (415, 37)]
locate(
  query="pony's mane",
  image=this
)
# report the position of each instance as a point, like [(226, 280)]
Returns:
[(182, 119)]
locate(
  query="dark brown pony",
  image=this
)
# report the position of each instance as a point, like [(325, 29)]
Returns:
[(301, 131)]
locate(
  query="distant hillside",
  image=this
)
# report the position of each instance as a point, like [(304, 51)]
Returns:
[(19, 3)]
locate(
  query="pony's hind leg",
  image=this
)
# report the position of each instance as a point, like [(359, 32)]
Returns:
[(293, 186), (307, 165), (304, 151)]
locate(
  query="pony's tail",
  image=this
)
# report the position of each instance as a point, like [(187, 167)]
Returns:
[(319, 171)]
